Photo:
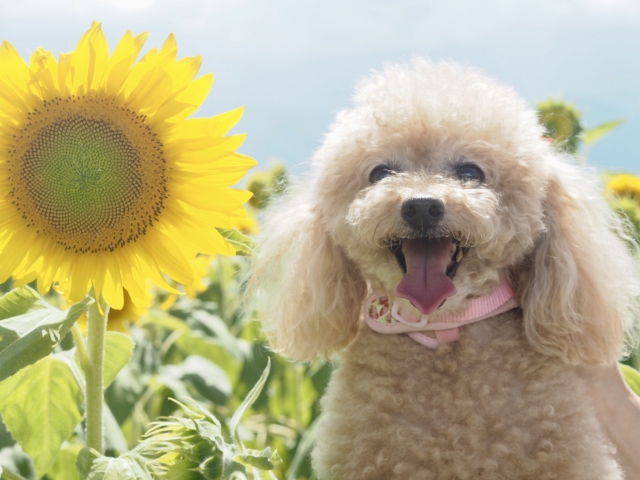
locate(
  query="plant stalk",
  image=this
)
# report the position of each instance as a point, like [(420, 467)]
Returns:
[(96, 337)]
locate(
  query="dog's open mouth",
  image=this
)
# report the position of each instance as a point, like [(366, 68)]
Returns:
[(429, 265)]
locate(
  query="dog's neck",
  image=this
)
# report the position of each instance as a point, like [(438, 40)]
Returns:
[(390, 319)]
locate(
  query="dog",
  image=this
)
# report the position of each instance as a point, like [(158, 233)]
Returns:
[(461, 267)]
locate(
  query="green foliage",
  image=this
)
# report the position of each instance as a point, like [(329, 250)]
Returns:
[(179, 447), (266, 185), (93, 466), (30, 328), (118, 352), (594, 134), (632, 377), (65, 464), (242, 244), (209, 350), (189, 446), (41, 406)]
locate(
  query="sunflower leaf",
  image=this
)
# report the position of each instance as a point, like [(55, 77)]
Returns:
[(261, 459), (93, 466), (18, 463), (596, 133), (64, 468), (206, 377), (247, 402), (43, 398), (20, 301), (241, 243), (31, 328), (118, 351)]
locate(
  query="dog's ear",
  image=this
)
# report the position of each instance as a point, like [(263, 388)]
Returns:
[(578, 285), (309, 294)]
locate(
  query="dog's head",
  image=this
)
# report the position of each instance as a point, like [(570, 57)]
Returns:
[(437, 186)]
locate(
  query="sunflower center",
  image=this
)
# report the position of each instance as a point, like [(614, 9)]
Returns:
[(82, 175), (88, 174)]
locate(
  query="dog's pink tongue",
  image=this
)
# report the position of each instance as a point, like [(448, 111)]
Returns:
[(426, 284)]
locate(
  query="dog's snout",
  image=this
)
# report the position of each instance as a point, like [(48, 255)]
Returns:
[(422, 213)]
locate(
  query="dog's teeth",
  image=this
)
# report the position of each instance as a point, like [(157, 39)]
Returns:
[(459, 255)]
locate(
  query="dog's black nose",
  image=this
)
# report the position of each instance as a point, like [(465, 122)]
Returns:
[(422, 213)]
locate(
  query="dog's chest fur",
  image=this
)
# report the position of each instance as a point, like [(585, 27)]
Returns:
[(487, 406)]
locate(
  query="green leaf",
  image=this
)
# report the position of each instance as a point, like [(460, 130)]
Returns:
[(34, 331), (305, 444), (261, 459), (85, 460), (43, 398), (113, 436), (247, 402), (118, 351), (216, 326), (93, 466), (64, 468), (14, 460), (632, 377), (20, 301), (241, 243), (213, 468), (193, 344), (208, 378), (596, 133)]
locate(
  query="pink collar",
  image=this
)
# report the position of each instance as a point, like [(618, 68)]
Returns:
[(387, 320)]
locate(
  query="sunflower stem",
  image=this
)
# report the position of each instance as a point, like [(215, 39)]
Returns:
[(96, 336)]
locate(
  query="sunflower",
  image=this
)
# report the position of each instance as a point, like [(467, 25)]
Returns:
[(105, 181), (624, 184), (563, 123)]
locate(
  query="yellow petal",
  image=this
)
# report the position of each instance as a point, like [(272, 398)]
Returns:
[(89, 61), (119, 65), (217, 126), (44, 73)]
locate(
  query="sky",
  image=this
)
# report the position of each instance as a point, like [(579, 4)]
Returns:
[(294, 63)]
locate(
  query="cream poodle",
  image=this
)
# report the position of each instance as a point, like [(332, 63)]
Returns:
[(463, 267)]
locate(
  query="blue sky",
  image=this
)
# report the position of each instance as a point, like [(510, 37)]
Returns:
[(294, 63)]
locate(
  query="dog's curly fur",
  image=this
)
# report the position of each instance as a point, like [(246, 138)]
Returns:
[(503, 402)]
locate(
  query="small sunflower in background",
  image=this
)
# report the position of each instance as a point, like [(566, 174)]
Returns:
[(624, 185), (265, 185), (623, 191), (563, 123), (106, 182)]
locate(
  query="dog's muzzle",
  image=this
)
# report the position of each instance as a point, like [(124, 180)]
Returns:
[(422, 214)]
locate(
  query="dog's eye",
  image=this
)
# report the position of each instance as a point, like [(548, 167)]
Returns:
[(469, 171), (380, 172)]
